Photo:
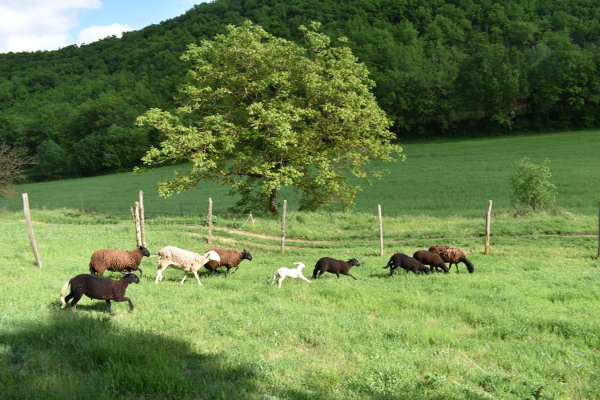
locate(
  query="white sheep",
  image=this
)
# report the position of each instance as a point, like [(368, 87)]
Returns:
[(171, 256), (295, 273)]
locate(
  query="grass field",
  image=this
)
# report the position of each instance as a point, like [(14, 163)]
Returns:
[(524, 325)]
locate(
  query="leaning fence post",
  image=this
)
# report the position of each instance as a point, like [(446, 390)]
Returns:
[(30, 229), (380, 232), (283, 226), (487, 228), (210, 220)]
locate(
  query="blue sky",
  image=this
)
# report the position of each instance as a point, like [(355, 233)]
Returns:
[(30, 25)]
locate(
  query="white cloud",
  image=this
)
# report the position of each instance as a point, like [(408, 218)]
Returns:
[(93, 33), (29, 25)]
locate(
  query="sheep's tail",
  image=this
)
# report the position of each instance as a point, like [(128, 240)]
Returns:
[(469, 265), (388, 264), (63, 290)]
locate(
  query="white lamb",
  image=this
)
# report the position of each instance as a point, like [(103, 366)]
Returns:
[(295, 273), (171, 256)]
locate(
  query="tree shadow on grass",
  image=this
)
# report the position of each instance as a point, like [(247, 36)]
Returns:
[(74, 356)]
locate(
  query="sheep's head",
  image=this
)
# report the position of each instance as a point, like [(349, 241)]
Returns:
[(354, 262), (134, 278), (144, 251), (247, 255), (299, 265)]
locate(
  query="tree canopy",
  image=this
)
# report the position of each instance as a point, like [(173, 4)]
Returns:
[(261, 113)]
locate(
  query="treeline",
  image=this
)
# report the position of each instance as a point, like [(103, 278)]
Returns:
[(441, 67)]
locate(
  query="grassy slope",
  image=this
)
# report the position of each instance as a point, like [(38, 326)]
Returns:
[(438, 179)]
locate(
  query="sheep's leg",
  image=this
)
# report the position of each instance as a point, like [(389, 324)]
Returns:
[(66, 300), (76, 297), (281, 280), (274, 277), (349, 274), (184, 276), (159, 276), (303, 277), (198, 279), (109, 308), (130, 304), (236, 268)]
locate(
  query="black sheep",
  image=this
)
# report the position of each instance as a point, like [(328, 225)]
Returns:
[(406, 262), (334, 266), (432, 259), (96, 287)]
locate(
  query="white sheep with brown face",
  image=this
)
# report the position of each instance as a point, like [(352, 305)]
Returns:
[(294, 273), (185, 260)]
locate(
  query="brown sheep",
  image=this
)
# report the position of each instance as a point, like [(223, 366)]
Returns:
[(117, 260), (452, 255), (432, 259), (229, 259)]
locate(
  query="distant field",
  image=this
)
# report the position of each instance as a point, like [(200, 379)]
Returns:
[(438, 179)]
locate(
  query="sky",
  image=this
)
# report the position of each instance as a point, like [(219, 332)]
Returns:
[(31, 25)]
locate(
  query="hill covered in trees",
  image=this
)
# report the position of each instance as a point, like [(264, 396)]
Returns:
[(441, 68)]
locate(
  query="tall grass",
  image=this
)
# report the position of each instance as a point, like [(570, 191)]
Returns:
[(438, 179)]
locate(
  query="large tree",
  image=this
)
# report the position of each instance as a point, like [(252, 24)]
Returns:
[(261, 113)]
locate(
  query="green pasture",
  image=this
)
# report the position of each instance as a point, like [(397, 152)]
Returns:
[(524, 325), (437, 179)]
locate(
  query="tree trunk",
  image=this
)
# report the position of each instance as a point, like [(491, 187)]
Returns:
[(273, 202)]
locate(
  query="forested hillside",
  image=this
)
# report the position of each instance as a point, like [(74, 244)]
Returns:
[(441, 68)]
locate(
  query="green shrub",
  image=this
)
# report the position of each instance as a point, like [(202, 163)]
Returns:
[(531, 187)]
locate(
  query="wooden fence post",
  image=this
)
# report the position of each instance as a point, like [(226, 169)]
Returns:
[(142, 218), (30, 230), (380, 231), (210, 220), (487, 228), (283, 226), (138, 233)]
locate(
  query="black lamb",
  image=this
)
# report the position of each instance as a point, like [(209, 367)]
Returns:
[(334, 266), (434, 260), (406, 262), (96, 287)]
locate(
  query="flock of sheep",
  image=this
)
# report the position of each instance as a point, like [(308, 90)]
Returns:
[(96, 287)]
